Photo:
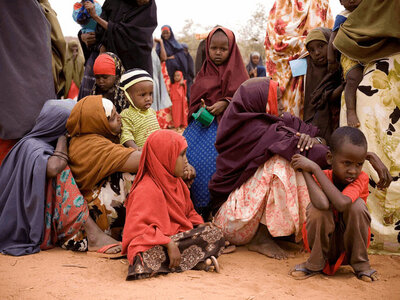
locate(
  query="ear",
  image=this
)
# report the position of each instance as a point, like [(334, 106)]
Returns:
[(329, 157)]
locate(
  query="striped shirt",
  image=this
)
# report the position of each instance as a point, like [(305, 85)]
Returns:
[(138, 125)]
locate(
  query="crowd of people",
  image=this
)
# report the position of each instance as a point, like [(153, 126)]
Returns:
[(116, 146)]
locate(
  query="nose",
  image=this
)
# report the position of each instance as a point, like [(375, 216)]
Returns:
[(352, 170)]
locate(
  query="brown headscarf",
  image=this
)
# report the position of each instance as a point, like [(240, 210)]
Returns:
[(93, 150), (214, 83)]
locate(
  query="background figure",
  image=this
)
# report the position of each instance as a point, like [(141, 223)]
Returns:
[(26, 81), (254, 61), (179, 101), (73, 70), (200, 55), (261, 71), (190, 73), (161, 99), (287, 28)]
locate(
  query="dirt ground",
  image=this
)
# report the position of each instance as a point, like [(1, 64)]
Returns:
[(60, 274)]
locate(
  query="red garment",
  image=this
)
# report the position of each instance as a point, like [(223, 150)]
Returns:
[(159, 203), (177, 92), (356, 189), (272, 104), (73, 91), (104, 65), (214, 83), (5, 147)]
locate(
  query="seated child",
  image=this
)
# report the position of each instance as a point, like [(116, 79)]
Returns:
[(179, 103), (107, 70), (82, 16), (352, 70), (139, 120), (337, 225)]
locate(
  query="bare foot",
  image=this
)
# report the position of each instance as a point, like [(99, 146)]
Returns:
[(352, 119), (263, 243), (98, 239)]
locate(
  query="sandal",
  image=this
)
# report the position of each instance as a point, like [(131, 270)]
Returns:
[(301, 268), (367, 275), (102, 252)]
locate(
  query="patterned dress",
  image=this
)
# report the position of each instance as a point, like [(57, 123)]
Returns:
[(378, 103)]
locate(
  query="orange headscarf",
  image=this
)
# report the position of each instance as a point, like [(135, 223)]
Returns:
[(93, 150), (159, 204)]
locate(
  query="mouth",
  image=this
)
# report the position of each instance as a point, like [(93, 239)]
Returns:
[(349, 179)]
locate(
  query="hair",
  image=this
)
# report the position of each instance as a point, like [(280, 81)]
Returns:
[(347, 134)]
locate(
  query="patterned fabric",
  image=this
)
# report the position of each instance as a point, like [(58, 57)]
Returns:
[(275, 196), (347, 64), (202, 156), (65, 212), (137, 125), (288, 25), (195, 245), (378, 109)]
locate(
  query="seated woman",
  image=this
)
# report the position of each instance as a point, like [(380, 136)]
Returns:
[(98, 163), (163, 233), (260, 194), (40, 204)]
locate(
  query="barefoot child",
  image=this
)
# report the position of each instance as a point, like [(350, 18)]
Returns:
[(139, 120), (337, 225), (163, 233), (179, 103), (352, 70)]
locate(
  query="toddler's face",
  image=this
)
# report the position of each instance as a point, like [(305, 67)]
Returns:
[(319, 52), (347, 163), (180, 164), (350, 5), (115, 122), (105, 82), (141, 94), (219, 48), (177, 77)]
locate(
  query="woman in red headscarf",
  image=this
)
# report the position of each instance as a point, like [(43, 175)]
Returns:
[(222, 73), (163, 233)]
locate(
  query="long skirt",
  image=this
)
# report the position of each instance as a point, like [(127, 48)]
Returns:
[(202, 156), (195, 245), (378, 110), (275, 196), (65, 211), (106, 208)]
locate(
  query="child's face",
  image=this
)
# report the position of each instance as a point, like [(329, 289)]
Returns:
[(255, 59), (319, 52), (347, 163), (180, 164), (105, 82), (115, 122), (350, 5), (177, 77), (141, 94), (219, 48)]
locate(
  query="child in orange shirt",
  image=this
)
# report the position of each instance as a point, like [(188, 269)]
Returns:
[(337, 227), (177, 93)]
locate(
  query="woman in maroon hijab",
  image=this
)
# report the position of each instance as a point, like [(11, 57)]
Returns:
[(221, 74)]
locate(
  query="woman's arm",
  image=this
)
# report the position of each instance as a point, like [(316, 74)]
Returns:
[(132, 163), (333, 65), (92, 11), (58, 161), (163, 53), (384, 175)]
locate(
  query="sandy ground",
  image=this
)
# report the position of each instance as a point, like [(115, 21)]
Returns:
[(60, 274)]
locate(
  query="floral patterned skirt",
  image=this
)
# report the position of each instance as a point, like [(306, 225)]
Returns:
[(195, 245), (275, 196)]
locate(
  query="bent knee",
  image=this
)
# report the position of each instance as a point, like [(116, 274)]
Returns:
[(358, 207), (317, 215)]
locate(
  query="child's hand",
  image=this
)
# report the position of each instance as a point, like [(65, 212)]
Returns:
[(174, 255), (218, 107), (352, 119), (384, 176), (302, 163), (203, 104), (189, 174), (333, 66), (305, 141), (90, 8)]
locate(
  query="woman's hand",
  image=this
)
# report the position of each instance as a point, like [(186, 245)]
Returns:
[(305, 141), (384, 176), (89, 38), (174, 255), (302, 163), (218, 107), (90, 8)]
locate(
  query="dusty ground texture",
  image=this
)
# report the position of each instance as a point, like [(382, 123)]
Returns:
[(60, 274)]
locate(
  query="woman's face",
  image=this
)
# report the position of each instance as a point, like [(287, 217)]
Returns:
[(166, 34), (219, 48), (319, 52), (115, 122), (180, 164)]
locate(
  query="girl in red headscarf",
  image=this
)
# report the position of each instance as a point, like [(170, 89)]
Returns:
[(179, 103), (221, 74), (163, 233)]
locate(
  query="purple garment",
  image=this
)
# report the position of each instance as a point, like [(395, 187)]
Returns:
[(247, 137), (23, 181)]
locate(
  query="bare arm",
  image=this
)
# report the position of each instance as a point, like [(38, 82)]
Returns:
[(58, 161), (332, 63), (317, 196), (337, 92), (131, 144), (92, 11), (384, 175), (163, 53), (132, 163)]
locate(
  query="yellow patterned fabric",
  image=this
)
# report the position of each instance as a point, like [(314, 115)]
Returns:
[(137, 125), (347, 64), (288, 25), (378, 109)]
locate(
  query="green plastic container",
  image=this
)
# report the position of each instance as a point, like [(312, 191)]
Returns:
[(203, 116)]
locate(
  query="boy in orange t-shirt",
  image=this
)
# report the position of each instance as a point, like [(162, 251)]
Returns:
[(337, 226)]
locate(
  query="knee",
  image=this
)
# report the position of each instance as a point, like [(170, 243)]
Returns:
[(315, 215), (359, 209)]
